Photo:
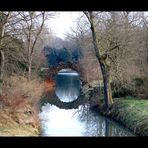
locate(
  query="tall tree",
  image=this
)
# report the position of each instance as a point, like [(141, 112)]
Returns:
[(32, 26), (102, 58)]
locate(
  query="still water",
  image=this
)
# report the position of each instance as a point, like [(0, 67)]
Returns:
[(75, 122), (68, 85)]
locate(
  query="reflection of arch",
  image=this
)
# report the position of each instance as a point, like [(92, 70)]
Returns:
[(65, 105)]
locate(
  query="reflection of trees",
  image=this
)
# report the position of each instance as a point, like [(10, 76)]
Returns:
[(97, 125), (92, 126)]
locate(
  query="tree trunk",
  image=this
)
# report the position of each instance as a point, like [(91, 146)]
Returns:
[(2, 33), (107, 87), (29, 68), (2, 62), (107, 92), (2, 55)]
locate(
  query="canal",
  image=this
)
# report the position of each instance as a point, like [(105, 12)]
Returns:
[(80, 121)]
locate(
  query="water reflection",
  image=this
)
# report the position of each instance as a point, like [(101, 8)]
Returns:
[(59, 122), (98, 125), (68, 85), (67, 121), (77, 122)]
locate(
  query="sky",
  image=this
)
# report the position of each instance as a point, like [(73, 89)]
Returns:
[(62, 24)]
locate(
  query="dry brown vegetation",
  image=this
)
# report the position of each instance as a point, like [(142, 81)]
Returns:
[(18, 85), (21, 42), (19, 105), (20, 55)]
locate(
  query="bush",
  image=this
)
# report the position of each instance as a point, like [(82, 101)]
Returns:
[(137, 87), (122, 90), (138, 81), (146, 88)]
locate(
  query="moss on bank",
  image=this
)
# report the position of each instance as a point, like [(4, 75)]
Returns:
[(130, 112)]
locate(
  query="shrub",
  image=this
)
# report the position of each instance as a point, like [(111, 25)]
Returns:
[(137, 87), (138, 81), (122, 89)]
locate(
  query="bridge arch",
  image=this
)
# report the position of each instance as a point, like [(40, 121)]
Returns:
[(52, 98), (52, 72)]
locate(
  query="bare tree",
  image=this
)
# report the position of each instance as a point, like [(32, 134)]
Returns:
[(102, 59), (32, 26)]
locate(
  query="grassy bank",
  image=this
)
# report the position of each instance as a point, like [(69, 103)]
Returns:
[(130, 112)]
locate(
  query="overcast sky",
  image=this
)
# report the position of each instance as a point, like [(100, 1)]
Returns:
[(62, 24)]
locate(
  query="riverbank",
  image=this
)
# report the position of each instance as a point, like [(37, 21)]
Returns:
[(18, 125), (19, 106), (130, 112)]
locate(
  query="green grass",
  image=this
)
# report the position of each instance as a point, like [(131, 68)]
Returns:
[(131, 112)]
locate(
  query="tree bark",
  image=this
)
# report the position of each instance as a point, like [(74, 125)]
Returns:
[(2, 56), (29, 68), (107, 87)]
